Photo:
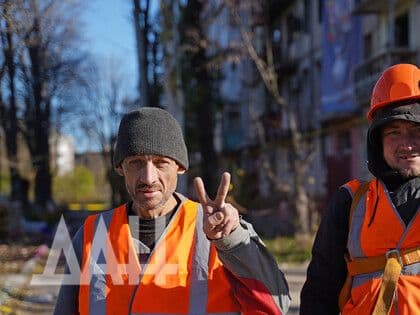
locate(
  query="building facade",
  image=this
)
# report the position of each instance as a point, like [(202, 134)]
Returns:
[(326, 55), (386, 34)]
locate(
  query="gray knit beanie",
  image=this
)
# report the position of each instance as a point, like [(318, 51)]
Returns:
[(150, 131)]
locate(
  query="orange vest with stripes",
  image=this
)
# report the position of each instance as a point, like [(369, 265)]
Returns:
[(374, 232), (183, 275)]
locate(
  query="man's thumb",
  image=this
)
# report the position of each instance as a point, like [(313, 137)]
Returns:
[(216, 218)]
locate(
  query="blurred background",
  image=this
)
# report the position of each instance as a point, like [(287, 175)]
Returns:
[(273, 91)]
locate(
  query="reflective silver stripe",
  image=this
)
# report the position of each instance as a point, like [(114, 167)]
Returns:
[(363, 278), (409, 270), (199, 268), (221, 313), (347, 187), (97, 286), (353, 243), (226, 313)]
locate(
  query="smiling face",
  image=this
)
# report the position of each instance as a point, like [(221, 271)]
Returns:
[(150, 181), (401, 147)]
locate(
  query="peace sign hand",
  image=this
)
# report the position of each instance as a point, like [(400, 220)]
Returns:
[(220, 218)]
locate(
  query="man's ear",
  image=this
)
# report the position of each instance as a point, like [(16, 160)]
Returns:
[(181, 170), (119, 170)]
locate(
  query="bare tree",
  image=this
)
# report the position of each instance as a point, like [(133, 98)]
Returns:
[(141, 27), (8, 109), (149, 54), (49, 67), (172, 58), (174, 98), (301, 151), (106, 105), (199, 86)]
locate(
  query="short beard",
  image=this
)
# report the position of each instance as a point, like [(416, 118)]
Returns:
[(409, 173)]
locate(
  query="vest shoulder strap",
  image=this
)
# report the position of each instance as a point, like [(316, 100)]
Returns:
[(361, 190), (344, 294)]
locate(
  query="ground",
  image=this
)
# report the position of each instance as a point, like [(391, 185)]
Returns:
[(18, 262)]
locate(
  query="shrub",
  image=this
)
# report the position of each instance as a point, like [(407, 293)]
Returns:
[(4, 182), (76, 186), (288, 249)]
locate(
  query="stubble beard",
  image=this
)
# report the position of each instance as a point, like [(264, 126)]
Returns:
[(142, 206), (409, 173)]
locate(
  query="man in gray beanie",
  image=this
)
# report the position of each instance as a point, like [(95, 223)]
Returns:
[(150, 131), (164, 253)]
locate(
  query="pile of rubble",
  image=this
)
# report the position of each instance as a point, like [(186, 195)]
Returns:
[(17, 265)]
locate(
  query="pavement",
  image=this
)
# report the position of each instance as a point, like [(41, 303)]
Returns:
[(295, 276), (18, 297)]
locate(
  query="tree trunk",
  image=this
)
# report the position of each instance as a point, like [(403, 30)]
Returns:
[(119, 194), (201, 98), (41, 160), (299, 167), (206, 135), (141, 30), (301, 202), (9, 114), (41, 120), (172, 80)]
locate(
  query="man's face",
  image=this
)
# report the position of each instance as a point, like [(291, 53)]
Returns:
[(150, 180), (401, 147)]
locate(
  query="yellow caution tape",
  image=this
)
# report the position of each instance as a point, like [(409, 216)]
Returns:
[(75, 206), (5, 309), (88, 206), (96, 207)]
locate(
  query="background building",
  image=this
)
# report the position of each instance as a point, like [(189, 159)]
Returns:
[(327, 55), (62, 153)]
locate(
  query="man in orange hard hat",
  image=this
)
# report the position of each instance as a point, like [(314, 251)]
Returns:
[(366, 255)]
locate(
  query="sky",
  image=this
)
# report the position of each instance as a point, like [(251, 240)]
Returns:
[(109, 34), (109, 38)]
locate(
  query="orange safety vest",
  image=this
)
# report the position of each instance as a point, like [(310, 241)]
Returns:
[(374, 239), (183, 275)]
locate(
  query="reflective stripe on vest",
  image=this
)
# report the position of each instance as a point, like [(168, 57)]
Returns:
[(222, 313), (353, 243), (98, 264), (98, 286), (409, 270), (199, 268), (173, 281), (385, 232)]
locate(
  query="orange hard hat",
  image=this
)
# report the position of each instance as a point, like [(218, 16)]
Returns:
[(400, 82)]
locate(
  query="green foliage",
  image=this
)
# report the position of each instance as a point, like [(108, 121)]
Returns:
[(77, 186), (288, 249), (4, 182)]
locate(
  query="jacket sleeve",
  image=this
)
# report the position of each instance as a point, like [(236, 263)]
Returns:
[(68, 296), (327, 270), (257, 281)]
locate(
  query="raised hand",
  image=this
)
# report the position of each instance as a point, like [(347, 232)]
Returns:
[(220, 218)]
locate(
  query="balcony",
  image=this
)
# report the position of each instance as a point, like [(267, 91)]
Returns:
[(366, 74), (370, 6)]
